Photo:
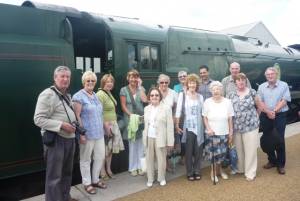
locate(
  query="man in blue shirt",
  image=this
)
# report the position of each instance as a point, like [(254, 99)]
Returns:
[(274, 95), (204, 82)]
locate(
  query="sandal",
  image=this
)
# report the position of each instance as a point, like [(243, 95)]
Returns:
[(90, 189), (100, 185)]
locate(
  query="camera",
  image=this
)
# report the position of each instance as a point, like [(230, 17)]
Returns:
[(79, 130)]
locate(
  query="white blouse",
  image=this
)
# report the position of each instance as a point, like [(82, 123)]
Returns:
[(217, 115)]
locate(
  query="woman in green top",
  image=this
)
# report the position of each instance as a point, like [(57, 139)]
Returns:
[(113, 139)]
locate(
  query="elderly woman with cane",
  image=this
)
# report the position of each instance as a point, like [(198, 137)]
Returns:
[(217, 114)]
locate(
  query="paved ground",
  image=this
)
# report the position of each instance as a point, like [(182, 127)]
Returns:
[(268, 185)]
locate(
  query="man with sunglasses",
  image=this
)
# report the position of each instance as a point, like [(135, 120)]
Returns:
[(182, 79)]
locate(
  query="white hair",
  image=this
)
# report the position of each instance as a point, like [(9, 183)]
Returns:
[(215, 84), (163, 77), (272, 69), (180, 73)]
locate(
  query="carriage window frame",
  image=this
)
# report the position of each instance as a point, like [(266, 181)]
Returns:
[(139, 47)]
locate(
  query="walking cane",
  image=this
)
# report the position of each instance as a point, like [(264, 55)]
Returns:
[(213, 159)]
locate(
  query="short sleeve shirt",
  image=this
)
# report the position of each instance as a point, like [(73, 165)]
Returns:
[(170, 99), (217, 114), (108, 102), (91, 114), (245, 115), (272, 95)]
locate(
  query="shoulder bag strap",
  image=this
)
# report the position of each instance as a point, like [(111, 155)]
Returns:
[(132, 100), (61, 98), (115, 104), (183, 105)]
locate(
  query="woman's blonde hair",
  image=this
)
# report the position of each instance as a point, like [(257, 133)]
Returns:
[(88, 74), (240, 76), (105, 78), (193, 78)]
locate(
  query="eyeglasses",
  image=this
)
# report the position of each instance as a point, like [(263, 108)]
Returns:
[(91, 81), (152, 95), (163, 82), (182, 76)]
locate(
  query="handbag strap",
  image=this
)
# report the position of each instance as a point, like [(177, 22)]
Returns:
[(183, 105), (63, 98), (111, 98), (134, 107)]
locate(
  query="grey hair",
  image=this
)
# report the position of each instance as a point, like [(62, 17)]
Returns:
[(215, 84), (163, 76), (180, 73), (272, 69), (235, 63), (61, 68)]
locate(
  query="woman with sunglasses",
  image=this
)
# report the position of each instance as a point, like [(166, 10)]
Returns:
[(88, 110), (182, 79), (169, 98), (158, 135)]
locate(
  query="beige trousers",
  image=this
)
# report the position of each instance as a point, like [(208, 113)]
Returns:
[(93, 149), (160, 153), (246, 146)]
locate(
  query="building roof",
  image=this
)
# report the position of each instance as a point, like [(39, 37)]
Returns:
[(253, 30)]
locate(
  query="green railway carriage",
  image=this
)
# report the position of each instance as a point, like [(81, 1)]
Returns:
[(35, 38)]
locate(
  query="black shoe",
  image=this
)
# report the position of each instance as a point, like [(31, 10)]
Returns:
[(281, 170), (269, 165)]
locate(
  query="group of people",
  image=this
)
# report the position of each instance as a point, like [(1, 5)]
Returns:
[(201, 116)]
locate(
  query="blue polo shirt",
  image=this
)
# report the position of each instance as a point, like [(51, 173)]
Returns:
[(272, 95)]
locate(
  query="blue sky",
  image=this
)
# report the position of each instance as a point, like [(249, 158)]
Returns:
[(280, 16)]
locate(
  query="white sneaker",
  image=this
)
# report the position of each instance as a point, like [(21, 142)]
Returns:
[(250, 179), (233, 172), (163, 183), (149, 184), (224, 175), (216, 179)]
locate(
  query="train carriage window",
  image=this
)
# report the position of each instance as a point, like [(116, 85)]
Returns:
[(145, 57), (154, 58), (132, 56)]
